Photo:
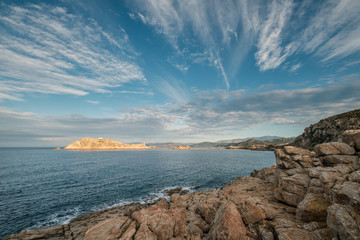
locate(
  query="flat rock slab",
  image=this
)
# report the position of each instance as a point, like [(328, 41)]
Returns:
[(334, 148), (108, 229), (296, 151)]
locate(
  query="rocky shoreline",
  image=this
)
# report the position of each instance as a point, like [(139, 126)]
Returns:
[(306, 195)]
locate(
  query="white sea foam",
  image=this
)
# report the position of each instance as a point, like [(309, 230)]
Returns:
[(64, 217), (61, 217)]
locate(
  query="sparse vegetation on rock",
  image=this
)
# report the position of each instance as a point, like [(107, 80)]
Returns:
[(328, 129)]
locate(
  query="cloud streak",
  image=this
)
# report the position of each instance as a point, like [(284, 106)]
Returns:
[(47, 49), (227, 31)]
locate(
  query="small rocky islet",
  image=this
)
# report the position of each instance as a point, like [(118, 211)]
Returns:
[(90, 144), (309, 194)]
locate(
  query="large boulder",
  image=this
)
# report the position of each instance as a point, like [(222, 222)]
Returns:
[(312, 208), (333, 160), (352, 137), (294, 234), (334, 148), (145, 233), (293, 188), (344, 222), (354, 176), (296, 151), (266, 174), (250, 212), (165, 223), (347, 193), (112, 228), (208, 208), (228, 223)]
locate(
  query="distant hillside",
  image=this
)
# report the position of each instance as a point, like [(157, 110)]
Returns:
[(263, 138), (253, 142), (328, 129), (167, 145), (205, 145), (221, 143)]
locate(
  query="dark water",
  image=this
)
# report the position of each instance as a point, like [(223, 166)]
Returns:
[(42, 187)]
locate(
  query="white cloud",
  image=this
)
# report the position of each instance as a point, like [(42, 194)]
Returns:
[(278, 29), (295, 67), (334, 30), (203, 20), (49, 50), (174, 90), (270, 52), (93, 101)]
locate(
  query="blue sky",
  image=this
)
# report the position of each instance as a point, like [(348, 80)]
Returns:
[(183, 71)]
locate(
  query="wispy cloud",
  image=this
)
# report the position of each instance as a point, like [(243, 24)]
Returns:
[(231, 28), (173, 18), (271, 52), (47, 49), (93, 101), (295, 67), (349, 65), (173, 89)]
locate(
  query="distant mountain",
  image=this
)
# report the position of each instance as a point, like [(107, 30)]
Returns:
[(245, 139), (221, 143), (167, 144), (254, 142), (328, 129), (205, 145)]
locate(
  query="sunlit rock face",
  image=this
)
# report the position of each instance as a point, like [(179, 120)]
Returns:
[(102, 144)]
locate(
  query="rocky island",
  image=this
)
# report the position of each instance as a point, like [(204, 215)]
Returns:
[(102, 144)]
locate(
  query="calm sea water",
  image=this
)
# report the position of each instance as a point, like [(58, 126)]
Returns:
[(42, 187)]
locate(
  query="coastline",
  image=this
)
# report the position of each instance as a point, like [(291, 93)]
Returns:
[(306, 195)]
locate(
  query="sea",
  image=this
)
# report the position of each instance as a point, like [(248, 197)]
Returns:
[(41, 187)]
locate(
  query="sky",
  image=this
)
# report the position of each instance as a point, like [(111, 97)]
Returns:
[(173, 70)]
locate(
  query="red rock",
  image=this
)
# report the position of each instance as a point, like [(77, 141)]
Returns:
[(334, 148), (296, 151), (108, 229), (294, 234), (165, 223), (145, 233), (227, 224), (251, 213), (312, 208), (343, 221)]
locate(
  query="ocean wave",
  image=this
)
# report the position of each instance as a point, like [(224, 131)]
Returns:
[(60, 217), (65, 216)]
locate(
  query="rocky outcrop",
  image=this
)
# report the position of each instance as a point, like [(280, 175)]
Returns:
[(306, 195), (328, 130), (324, 185), (58, 148), (102, 144)]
